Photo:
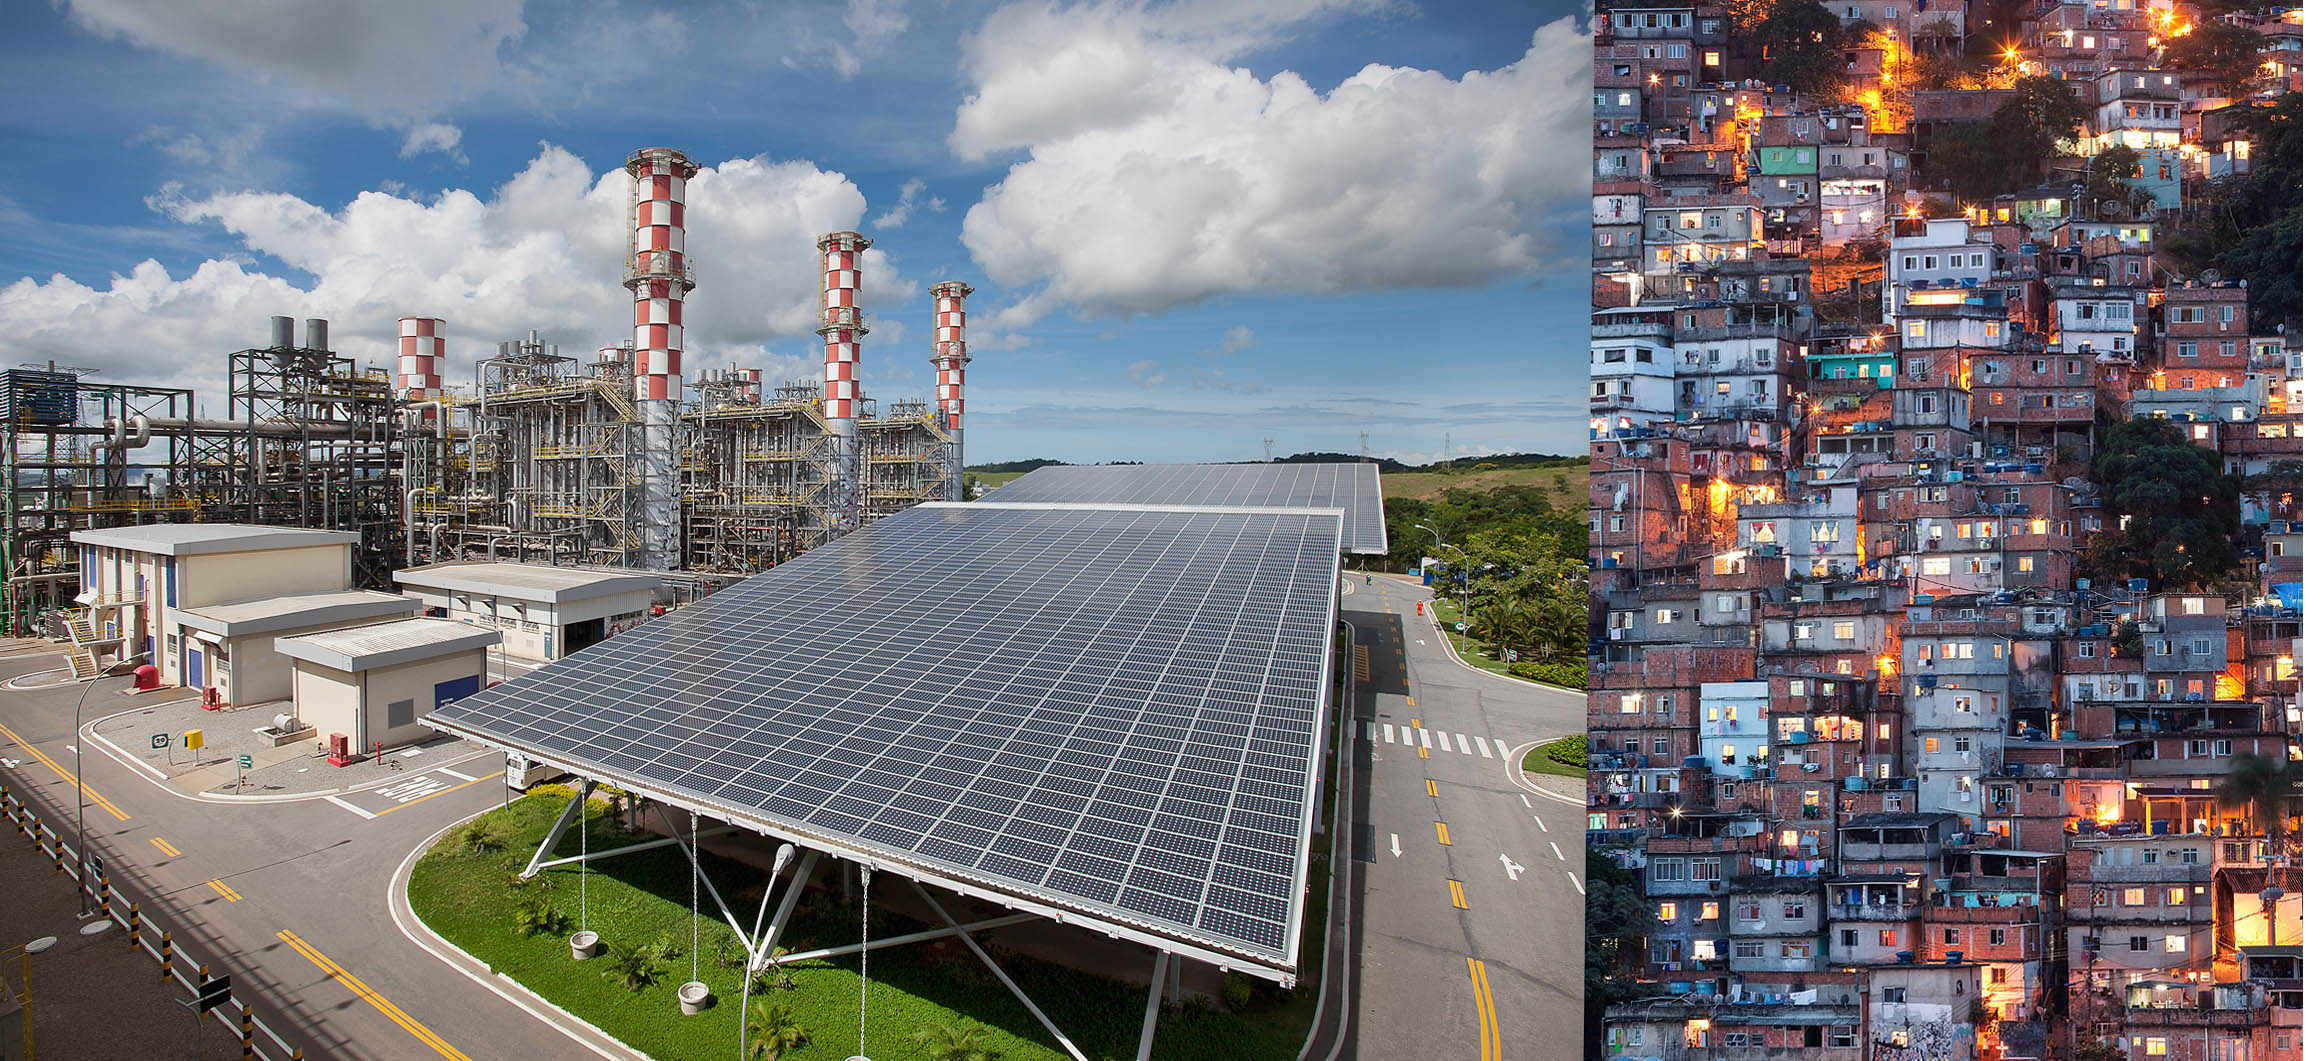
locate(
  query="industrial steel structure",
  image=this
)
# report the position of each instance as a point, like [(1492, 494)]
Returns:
[(616, 462)]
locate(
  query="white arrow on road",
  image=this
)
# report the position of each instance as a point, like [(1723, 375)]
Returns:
[(1512, 869), (1396, 844)]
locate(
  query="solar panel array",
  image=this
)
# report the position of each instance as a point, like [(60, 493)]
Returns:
[(1107, 709), (1352, 487)]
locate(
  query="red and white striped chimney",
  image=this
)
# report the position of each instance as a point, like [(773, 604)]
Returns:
[(422, 357), (951, 356), (658, 274), (659, 271), (843, 329), (844, 323)]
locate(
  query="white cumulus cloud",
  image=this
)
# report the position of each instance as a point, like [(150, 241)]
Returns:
[(1158, 176), (908, 199), (432, 136), (543, 251)]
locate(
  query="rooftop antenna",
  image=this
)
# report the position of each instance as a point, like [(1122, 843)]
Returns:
[(1269, 451)]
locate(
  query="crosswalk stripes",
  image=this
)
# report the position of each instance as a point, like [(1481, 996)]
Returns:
[(1438, 740)]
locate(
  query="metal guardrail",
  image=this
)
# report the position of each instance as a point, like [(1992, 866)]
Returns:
[(141, 930)]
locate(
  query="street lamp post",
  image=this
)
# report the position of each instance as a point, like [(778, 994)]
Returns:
[(80, 777), (1438, 544)]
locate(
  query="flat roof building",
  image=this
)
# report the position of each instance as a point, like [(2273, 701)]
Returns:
[(544, 613), (375, 685)]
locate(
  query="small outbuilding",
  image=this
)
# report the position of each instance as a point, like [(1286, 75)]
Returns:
[(140, 585), (375, 685), (237, 637), (545, 613)]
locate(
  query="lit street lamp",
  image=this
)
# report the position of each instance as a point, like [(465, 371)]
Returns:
[(80, 777), (1461, 572)]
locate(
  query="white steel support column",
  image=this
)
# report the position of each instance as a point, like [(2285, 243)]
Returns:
[(1000, 974), (559, 826), (1153, 1005)]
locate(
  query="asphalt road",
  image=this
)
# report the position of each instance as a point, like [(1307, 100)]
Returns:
[(289, 898), (1472, 938)]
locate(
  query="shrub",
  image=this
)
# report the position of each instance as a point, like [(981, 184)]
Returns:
[(637, 965), (1238, 991), (771, 1033), (537, 914), (478, 837), (966, 1042), (1569, 675), (1568, 751)]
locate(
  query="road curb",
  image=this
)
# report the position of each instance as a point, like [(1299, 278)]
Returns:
[(1455, 657), (480, 972), (1521, 752)]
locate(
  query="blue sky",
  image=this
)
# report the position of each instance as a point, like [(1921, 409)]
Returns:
[(1192, 226)]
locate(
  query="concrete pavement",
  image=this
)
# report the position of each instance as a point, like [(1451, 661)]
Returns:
[(289, 897), (1472, 914)]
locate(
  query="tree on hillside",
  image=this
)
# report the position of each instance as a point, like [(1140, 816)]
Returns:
[(2247, 226), (2107, 181), (1802, 46), (1616, 918), (2007, 151), (2176, 510), (2230, 52), (2267, 788)]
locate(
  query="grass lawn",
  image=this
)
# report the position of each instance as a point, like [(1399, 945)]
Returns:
[(1430, 484), (1537, 762), (469, 898)]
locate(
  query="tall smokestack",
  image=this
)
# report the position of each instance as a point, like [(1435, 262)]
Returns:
[(843, 328), (422, 356), (951, 357), (658, 274)]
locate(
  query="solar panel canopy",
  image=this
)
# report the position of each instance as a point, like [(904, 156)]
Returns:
[(1352, 487), (1106, 710)]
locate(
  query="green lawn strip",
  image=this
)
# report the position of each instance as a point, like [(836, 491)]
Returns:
[(1538, 761), (469, 900)]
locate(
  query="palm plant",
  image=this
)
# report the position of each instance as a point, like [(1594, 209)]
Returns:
[(636, 965), (2264, 787), (771, 1033), (946, 1042), (774, 976), (537, 913)]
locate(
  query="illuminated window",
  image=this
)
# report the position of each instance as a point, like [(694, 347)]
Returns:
[(1665, 911)]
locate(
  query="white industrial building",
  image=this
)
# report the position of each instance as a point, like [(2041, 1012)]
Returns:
[(375, 685), (544, 613), (191, 594)]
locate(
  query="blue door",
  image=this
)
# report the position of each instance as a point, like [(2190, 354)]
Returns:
[(195, 673), (449, 692)]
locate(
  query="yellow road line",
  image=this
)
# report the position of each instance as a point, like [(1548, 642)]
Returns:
[(1441, 832), (1429, 789), (67, 775), (1412, 701), (423, 1034), (1457, 894), (442, 792), (1414, 724), (1423, 754), (225, 890), (1492, 1044), (165, 847)]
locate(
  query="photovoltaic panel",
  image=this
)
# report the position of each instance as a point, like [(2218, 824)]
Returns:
[(1352, 487), (1112, 710)]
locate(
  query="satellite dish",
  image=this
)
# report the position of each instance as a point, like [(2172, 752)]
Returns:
[(2212, 276)]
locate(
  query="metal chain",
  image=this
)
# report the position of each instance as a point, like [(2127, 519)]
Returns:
[(864, 940), (694, 871)]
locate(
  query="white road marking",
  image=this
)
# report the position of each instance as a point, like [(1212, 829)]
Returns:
[(1484, 746), (454, 774), (1504, 752), (1421, 641), (1462, 747), (1573, 880), (1526, 803), (1389, 733), (1396, 844), (9, 763), (1540, 824), (1368, 731), (349, 807), (1513, 870), (72, 749), (412, 789), (1557, 851), (1425, 737)]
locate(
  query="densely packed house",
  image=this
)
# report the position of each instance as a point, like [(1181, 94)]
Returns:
[(1907, 759)]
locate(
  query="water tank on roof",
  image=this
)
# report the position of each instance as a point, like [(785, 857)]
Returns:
[(1854, 783), (2137, 585)]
